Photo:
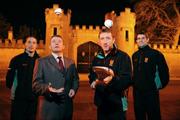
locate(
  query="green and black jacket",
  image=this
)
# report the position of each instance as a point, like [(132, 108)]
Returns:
[(111, 94), (150, 69)]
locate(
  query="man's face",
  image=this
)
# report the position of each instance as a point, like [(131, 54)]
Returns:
[(31, 44), (57, 45), (106, 41), (142, 40)]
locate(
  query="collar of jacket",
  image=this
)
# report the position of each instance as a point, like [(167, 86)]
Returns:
[(36, 55), (145, 48), (101, 55)]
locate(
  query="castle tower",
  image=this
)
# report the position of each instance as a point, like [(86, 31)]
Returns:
[(57, 24), (10, 34), (124, 26)]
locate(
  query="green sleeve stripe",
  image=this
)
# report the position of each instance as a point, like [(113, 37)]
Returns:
[(157, 79), (14, 86), (124, 103)]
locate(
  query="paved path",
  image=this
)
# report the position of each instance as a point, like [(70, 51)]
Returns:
[(84, 108)]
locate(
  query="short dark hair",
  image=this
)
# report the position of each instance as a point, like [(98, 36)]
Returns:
[(144, 32), (105, 30), (30, 37), (56, 36)]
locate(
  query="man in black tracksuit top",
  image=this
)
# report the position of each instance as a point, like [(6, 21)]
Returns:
[(19, 80), (150, 73), (110, 97)]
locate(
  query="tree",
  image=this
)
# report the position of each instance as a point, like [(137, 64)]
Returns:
[(4, 27), (160, 18), (24, 31)]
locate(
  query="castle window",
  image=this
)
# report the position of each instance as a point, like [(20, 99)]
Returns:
[(55, 31), (127, 35)]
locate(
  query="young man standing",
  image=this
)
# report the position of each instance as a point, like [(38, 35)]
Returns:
[(110, 94), (19, 80), (150, 73)]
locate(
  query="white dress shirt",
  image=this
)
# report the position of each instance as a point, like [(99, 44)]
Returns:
[(57, 59)]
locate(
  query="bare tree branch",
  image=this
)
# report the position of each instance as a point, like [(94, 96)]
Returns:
[(159, 18)]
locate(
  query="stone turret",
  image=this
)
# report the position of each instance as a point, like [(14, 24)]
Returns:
[(125, 25), (10, 34), (57, 24)]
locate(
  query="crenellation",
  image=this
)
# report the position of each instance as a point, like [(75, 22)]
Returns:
[(91, 27), (173, 47), (77, 27), (167, 46), (47, 11), (7, 42), (85, 28), (17, 43), (97, 28), (55, 6), (178, 47), (161, 46), (127, 10)]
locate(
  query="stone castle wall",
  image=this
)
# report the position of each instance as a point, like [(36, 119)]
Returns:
[(74, 36)]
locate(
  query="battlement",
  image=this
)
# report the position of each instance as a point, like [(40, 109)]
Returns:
[(164, 47), (126, 17), (127, 12), (86, 28), (18, 44), (52, 10)]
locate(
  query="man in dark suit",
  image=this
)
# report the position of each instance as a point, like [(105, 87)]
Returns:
[(56, 80)]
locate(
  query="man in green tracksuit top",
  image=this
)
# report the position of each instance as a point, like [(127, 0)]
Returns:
[(150, 73), (19, 80)]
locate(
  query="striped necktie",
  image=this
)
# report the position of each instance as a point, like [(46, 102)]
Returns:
[(61, 63)]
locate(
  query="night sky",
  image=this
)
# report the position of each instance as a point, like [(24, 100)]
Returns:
[(84, 12)]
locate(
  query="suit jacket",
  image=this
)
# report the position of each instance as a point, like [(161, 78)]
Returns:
[(47, 71)]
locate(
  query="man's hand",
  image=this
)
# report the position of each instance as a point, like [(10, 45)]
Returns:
[(111, 72), (51, 89), (108, 79), (93, 84), (71, 93)]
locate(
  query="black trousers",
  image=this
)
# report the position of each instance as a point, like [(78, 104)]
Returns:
[(23, 109), (107, 114), (147, 105)]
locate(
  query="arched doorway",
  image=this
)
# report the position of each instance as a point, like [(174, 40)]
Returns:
[(85, 55)]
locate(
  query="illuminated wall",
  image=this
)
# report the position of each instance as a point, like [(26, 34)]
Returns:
[(74, 36)]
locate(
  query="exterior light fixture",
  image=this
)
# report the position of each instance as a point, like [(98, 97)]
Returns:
[(108, 23), (58, 11)]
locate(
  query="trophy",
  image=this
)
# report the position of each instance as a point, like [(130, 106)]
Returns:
[(102, 72)]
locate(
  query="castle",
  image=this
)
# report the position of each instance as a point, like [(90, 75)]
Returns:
[(81, 42)]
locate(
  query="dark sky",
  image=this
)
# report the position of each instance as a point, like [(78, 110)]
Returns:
[(84, 12)]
